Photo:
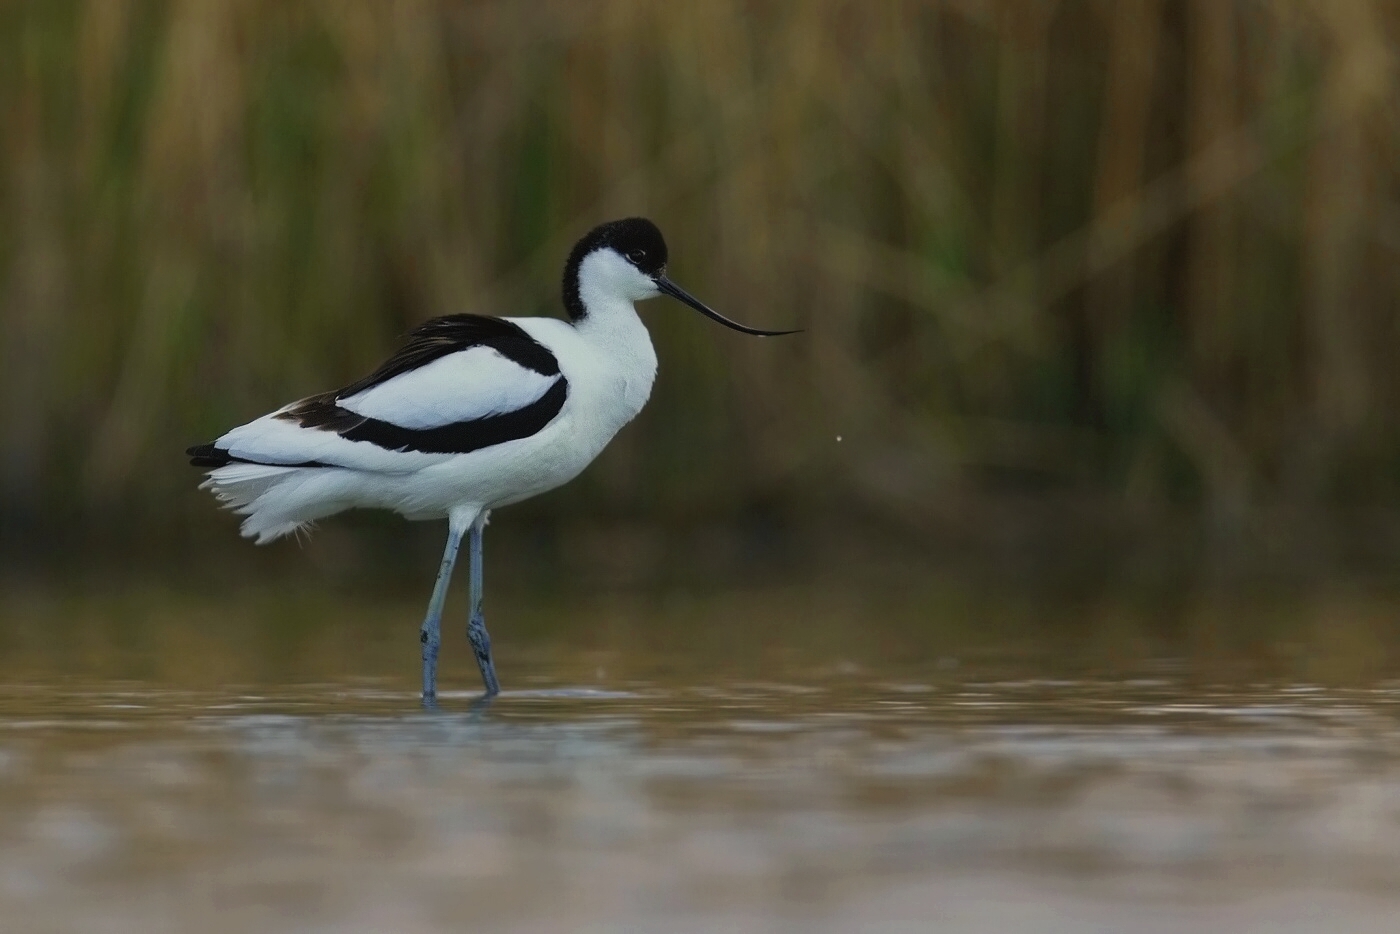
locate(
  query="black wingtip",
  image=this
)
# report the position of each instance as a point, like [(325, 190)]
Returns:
[(206, 455)]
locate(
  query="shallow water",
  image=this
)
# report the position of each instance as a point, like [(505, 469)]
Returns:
[(610, 788)]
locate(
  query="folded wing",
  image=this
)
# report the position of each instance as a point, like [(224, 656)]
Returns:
[(460, 384)]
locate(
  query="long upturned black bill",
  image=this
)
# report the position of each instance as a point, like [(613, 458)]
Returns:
[(667, 287)]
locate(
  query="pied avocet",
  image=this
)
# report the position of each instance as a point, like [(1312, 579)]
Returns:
[(471, 414)]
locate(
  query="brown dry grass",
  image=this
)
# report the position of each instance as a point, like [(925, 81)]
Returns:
[(1144, 247)]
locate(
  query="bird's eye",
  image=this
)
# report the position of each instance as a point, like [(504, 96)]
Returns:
[(637, 256)]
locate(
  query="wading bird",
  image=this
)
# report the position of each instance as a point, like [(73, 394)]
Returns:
[(471, 414)]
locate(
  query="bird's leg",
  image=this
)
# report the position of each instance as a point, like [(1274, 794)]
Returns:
[(431, 633), (476, 627)]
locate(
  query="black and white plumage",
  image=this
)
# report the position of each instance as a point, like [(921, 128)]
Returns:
[(471, 414), (460, 384)]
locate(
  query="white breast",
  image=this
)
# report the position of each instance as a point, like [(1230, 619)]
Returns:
[(610, 363)]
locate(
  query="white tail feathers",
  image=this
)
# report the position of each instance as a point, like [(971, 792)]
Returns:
[(277, 500)]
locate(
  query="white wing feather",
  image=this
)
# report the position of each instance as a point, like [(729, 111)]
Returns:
[(272, 440), (458, 387), (461, 386)]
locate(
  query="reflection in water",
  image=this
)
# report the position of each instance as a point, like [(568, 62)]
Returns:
[(828, 795)]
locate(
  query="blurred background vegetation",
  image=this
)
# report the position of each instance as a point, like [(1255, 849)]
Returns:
[(1113, 279)]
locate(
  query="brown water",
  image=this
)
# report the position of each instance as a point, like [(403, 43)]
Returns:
[(167, 764)]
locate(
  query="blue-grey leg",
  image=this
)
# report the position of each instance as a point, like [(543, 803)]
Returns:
[(476, 627), (431, 633)]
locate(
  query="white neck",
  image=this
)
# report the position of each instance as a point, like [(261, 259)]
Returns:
[(611, 325)]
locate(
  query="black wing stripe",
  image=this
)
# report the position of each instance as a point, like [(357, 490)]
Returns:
[(442, 336), (461, 437), (429, 341), (457, 438), (206, 455)]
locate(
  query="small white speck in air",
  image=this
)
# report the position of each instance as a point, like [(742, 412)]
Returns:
[(838, 438)]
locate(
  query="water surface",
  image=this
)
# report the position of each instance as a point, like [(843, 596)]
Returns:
[(918, 785)]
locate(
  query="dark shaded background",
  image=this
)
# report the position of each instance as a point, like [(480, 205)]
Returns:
[(1103, 289)]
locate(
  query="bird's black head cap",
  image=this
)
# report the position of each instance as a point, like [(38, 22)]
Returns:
[(635, 238)]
